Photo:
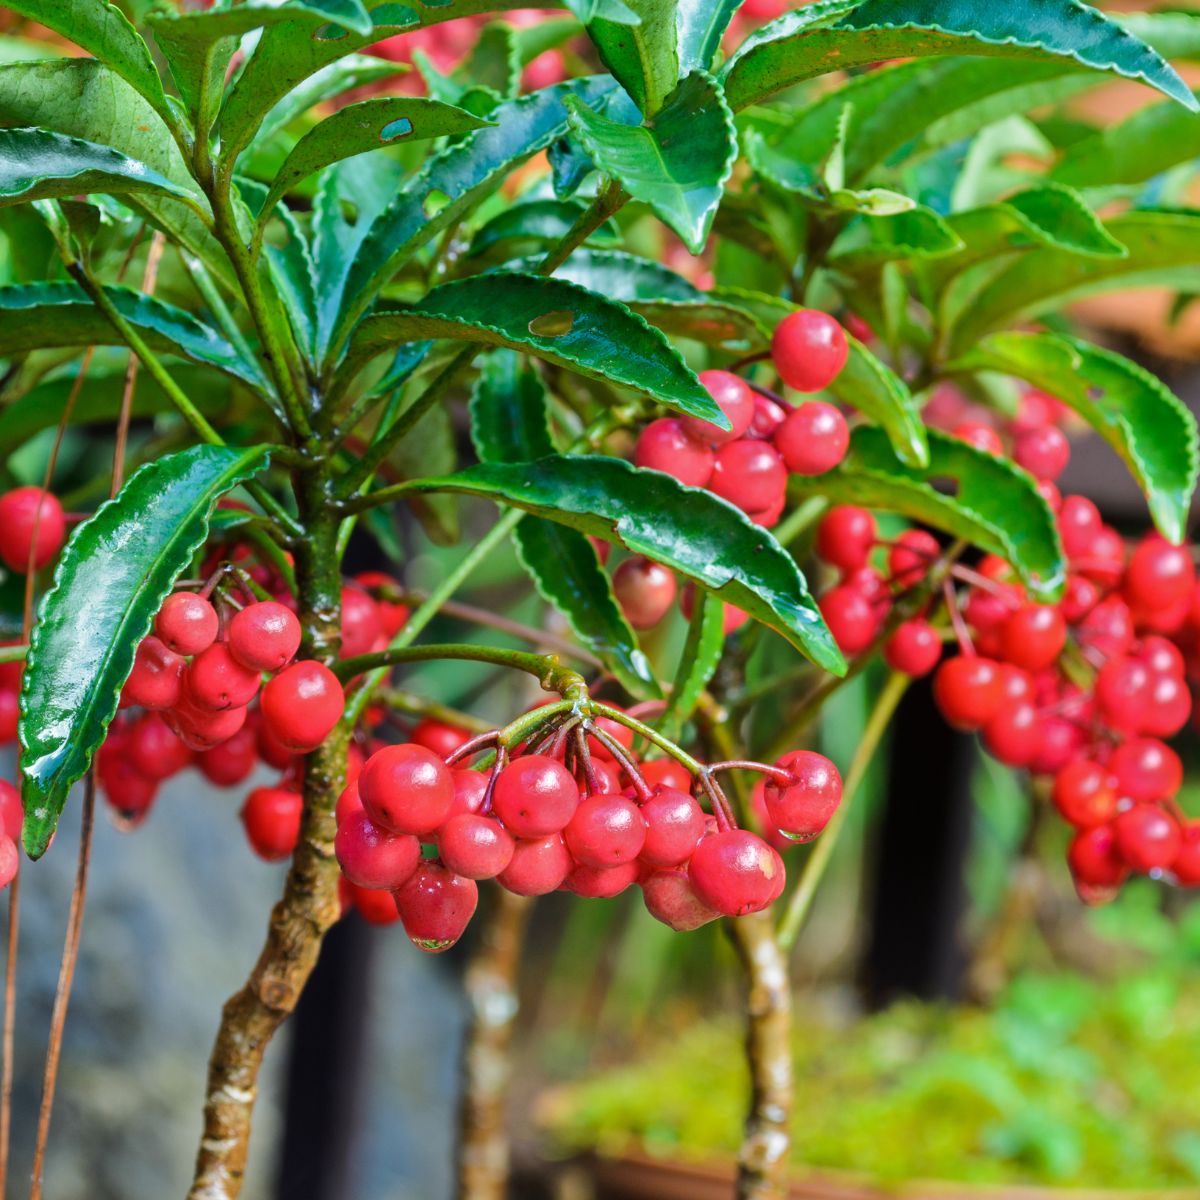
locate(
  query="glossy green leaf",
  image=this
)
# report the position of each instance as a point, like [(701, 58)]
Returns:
[(989, 501), (917, 233), (113, 576), (698, 662), (365, 126), (199, 45), (44, 315), (1058, 215), (1136, 413), (448, 186), (295, 274), (542, 222), (494, 62), (643, 57), (875, 390), (83, 98), (555, 320), (1163, 248), (1152, 141), (36, 164), (509, 424), (678, 164), (700, 26), (1175, 34), (689, 530), (877, 30), (104, 31), (627, 277)]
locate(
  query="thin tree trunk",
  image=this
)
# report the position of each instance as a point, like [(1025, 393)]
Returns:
[(491, 986), (766, 1144)]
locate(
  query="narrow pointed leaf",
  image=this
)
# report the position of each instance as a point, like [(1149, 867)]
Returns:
[(917, 233), (558, 321), (1147, 425), (104, 31), (884, 29), (36, 164), (994, 504), (365, 126), (44, 315), (509, 424), (698, 662), (690, 530), (678, 164), (113, 576), (869, 385), (1059, 215)]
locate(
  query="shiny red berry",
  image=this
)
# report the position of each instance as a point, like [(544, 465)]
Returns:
[(734, 398), (851, 617), (156, 680), (600, 883), (845, 537), (1096, 864), (813, 439), (154, 749), (232, 761), (264, 636), (1085, 794), (674, 824), (1043, 452), (671, 899), (645, 590), (535, 796), (439, 737), (968, 691), (980, 436), (475, 846), (801, 808), (1159, 574), (911, 556), (272, 819), (1013, 735), (435, 906), (1078, 523), (1146, 769), (302, 704), (809, 350), (664, 445), (1034, 636), (736, 872), (215, 680), (914, 649), (187, 623), (406, 789), (1147, 837), (12, 814), (371, 857), (362, 625), (538, 866), (605, 831), (20, 510), (749, 474)]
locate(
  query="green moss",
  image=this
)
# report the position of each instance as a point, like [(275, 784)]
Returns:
[(1066, 1082)]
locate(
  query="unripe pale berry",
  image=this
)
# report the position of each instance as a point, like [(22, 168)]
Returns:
[(406, 789), (809, 350), (264, 636), (302, 704), (186, 623), (20, 510)]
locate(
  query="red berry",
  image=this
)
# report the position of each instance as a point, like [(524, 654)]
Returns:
[(1104, 560), (736, 872), (914, 649), (1062, 741), (664, 445), (537, 867), (734, 398), (392, 616), (406, 789), (1146, 770), (535, 796), (1159, 574), (302, 704), (20, 510), (156, 680), (271, 750), (671, 899), (968, 691), (1168, 707), (1033, 637), (476, 846), (1078, 523), (12, 814), (1035, 409), (768, 416), (851, 618), (1162, 656), (1122, 692), (128, 791), (264, 636), (187, 623), (601, 883), (436, 905), (982, 437), (1079, 598), (802, 808), (349, 803), (667, 773), (1186, 866), (374, 906), (215, 680), (845, 537), (1096, 864), (1147, 837), (201, 728), (605, 831), (749, 474), (470, 787), (1014, 734), (10, 860), (439, 738), (9, 715), (1085, 794), (154, 749), (813, 439), (371, 857), (272, 820), (809, 350), (362, 625), (1043, 452), (674, 824), (1108, 627), (232, 761), (645, 590), (910, 558)]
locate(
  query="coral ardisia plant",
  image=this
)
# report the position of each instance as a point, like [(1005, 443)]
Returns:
[(325, 279)]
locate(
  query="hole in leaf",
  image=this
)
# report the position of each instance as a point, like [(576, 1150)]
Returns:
[(329, 33), (552, 324), (395, 14), (434, 202), (400, 127), (946, 484)]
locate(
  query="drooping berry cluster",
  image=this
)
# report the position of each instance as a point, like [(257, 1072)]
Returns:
[(1081, 692), (574, 811), (749, 463)]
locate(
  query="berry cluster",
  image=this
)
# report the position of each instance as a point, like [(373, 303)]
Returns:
[(1081, 692), (749, 463), (575, 811)]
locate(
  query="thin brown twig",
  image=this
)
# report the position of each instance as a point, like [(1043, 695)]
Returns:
[(62, 994)]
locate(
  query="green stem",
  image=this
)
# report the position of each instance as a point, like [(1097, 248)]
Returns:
[(610, 199), (818, 860), (799, 520), (418, 706)]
